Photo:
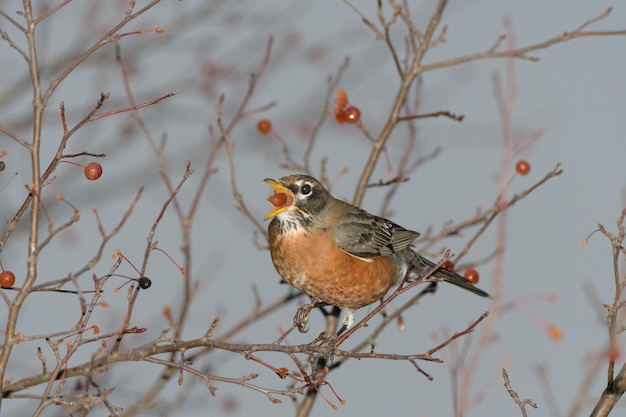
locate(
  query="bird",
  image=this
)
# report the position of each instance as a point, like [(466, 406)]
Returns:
[(340, 254)]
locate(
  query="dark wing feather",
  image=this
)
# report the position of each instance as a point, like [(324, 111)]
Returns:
[(362, 234)]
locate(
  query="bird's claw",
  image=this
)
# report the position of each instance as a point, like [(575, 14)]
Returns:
[(326, 345), (301, 319)]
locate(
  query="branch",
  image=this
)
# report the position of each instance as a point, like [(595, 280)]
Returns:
[(520, 403)]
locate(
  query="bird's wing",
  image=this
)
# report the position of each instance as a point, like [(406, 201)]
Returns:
[(364, 235)]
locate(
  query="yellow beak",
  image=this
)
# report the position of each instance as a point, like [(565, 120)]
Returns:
[(282, 199)]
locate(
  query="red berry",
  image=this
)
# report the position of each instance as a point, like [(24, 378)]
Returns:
[(282, 372), (472, 276), (448, 264), (522, 167), (93, 171), (342, 98), (614, 354), (264, 126), (555, 332), (7, 279), (278, 200), (351, 114)]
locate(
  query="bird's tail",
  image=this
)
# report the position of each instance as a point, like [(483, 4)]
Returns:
[(422, 266)]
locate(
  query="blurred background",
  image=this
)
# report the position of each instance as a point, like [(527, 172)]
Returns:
[(572, 99)]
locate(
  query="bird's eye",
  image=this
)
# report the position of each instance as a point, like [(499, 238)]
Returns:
[(306, 189)]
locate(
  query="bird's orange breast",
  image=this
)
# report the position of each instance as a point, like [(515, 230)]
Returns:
[(312, 263)]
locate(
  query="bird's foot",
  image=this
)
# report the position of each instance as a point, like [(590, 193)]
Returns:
[(327, 347), (301, 319)]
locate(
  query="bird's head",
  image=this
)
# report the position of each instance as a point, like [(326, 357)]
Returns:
[(299, 196)]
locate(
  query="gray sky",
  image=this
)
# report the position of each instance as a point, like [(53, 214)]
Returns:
[(574, 96)]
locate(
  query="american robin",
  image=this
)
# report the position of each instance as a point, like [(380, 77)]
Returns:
[(338, 253)]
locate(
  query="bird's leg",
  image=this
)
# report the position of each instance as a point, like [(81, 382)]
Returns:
[(347, 322)]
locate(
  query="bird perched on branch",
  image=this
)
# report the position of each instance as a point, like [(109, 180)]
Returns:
[(340, 254)]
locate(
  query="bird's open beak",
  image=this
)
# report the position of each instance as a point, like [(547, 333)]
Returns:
[(282, 198)]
